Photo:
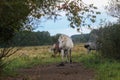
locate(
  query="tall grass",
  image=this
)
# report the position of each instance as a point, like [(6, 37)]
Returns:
[(106, 69)]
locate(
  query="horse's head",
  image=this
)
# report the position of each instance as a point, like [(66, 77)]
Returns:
[(62, 41)]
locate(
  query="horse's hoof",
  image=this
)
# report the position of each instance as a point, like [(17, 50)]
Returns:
[(61, 64)]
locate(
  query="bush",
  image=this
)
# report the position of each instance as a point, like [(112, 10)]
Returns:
[(110, 41)]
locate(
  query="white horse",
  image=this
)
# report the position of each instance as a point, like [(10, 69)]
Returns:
[(65, 44)]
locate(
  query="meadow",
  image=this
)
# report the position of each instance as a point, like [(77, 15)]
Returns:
[(27, 57)]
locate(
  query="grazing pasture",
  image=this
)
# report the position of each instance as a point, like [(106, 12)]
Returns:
[(36, 63)]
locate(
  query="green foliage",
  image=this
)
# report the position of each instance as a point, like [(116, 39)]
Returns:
[(32, 38), (80, 38), (15, 16), (78, 13), (94, 35), (55, 38), (27, 38), (110, 41), (12, 16)]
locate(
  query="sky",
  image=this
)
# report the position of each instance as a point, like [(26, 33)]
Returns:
[(61, 26)]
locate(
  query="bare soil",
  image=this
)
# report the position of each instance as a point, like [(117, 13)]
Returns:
[(73, 71)]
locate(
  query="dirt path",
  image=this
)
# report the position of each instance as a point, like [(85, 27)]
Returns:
[(74, 71)]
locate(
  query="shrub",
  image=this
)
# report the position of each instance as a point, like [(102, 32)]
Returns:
[(110, 41)]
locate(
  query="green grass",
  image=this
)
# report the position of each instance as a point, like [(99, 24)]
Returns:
[(105, 69)]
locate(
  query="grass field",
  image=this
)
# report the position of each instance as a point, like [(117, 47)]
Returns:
[(106, 69)]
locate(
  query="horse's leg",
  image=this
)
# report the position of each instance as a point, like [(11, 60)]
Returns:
[(59, 51), (88, 50), (66, 55), (62, 55), (70, 56)]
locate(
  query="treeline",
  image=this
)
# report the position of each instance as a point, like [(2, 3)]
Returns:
[(83, 38), (80, 38), (27, 38)]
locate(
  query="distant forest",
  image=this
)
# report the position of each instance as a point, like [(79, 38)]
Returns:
[(34, 38), (44, 38), (83, 38)]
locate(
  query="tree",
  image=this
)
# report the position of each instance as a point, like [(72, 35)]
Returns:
[(114, 8), (55, 38), (82, 38), (109, 37), (94, 35)]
